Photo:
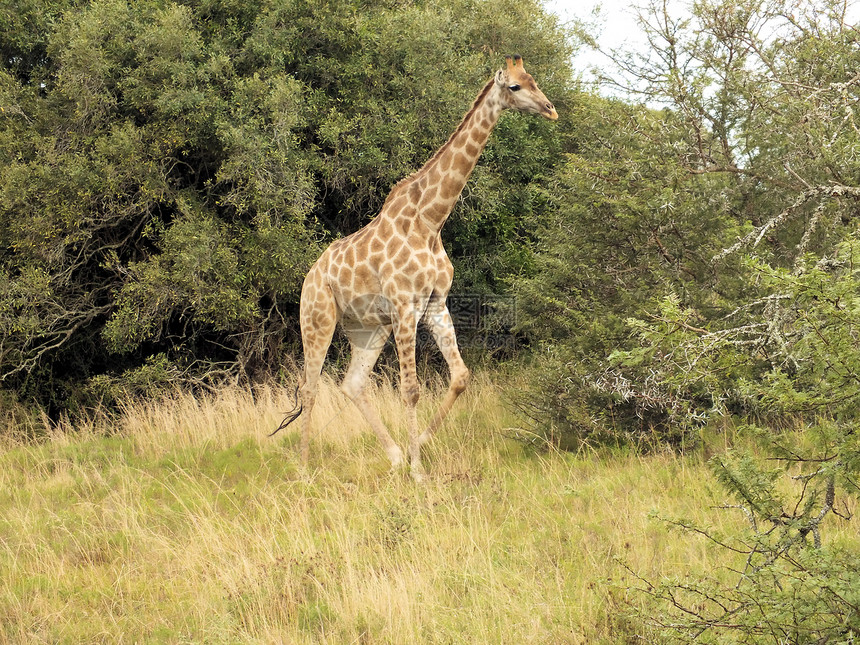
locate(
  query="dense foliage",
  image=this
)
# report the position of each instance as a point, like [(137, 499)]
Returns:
[(168, 171), (697, 220)]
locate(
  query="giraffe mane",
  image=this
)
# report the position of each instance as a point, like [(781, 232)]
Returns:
[(409, 178)]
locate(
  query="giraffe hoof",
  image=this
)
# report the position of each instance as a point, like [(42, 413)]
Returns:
[(417, 471), (395, 454)]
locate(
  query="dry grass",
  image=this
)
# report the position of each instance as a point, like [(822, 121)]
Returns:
[(188, 525)]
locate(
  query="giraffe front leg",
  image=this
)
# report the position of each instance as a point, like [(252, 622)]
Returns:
[(404, 336), (438, 319)]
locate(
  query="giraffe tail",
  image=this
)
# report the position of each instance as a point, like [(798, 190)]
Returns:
[(292, 415)]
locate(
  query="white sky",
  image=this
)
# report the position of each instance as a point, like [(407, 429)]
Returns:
[(615, 24)]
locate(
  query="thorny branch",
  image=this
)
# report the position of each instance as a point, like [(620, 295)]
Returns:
[(754, 237)]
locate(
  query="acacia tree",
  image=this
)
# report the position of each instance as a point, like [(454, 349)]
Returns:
[(786, 116), (760, 138)]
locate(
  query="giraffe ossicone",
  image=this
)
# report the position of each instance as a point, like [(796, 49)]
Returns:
[(394, 273)]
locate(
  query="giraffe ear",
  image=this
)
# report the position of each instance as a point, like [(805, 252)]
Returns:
[(502, 78)]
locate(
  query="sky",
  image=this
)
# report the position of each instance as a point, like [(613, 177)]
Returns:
[(616, 24)]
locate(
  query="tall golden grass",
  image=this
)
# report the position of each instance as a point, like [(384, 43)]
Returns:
[(180, 521)]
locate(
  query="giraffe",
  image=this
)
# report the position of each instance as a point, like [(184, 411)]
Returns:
[(394, 272)]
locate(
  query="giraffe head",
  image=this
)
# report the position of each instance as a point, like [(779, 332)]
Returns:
[(520, 92)]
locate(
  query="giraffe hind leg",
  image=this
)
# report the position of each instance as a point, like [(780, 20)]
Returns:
[(318, 316)]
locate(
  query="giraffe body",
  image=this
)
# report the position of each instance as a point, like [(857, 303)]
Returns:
[(394, 272)]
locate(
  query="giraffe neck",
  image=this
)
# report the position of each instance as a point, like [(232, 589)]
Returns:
[(436, 187), (451, 167)]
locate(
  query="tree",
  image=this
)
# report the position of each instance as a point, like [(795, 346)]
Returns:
[(170, 170), (760, 133)]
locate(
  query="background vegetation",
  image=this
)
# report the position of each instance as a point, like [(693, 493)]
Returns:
[(682, 261), (170, 171)]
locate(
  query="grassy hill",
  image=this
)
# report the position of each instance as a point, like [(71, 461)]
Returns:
[(181, 522)]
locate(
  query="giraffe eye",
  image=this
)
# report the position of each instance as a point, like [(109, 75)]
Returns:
[(514, 88)]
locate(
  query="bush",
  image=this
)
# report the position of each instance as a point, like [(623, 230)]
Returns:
[(168, 171)]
